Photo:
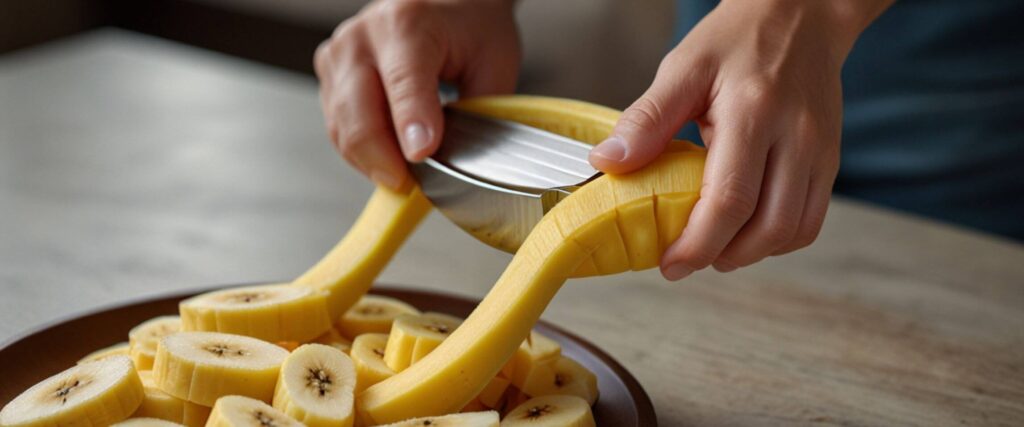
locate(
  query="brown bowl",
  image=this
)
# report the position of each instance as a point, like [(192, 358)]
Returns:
[(41, 353)]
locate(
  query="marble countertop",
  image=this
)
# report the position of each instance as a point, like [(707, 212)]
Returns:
[(131, 166)]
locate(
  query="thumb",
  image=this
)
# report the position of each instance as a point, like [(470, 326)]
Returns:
[(645, 128)]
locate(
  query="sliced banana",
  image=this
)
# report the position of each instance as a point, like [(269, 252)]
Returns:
[(98, 393), (551, 411), (415, 336), (316, 386), (491, 395), (272, 313), (241, 411), (537, 351), (146, 422), (373, 314), (465, 419), (119, 349), (368, 357), (565, 376), (159, 404), (142, 339), (202, 366), (334, 339)]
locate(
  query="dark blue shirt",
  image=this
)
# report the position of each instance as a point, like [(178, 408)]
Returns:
[(933, 110)]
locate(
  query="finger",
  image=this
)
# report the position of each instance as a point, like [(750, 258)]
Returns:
[(490, 75), (733, 175), (677, 95), (364, 133), (813, 217), (409, 70), (779, 211)]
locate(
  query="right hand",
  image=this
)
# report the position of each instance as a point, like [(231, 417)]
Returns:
[(379, 75)]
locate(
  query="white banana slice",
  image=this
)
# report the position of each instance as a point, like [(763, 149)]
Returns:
[(316, 386), (551, 411)]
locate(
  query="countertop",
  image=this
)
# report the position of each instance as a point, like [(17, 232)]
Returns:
[(131, 166)]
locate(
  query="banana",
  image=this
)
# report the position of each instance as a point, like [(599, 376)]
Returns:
[(203, 366), (368, 357), (334, 339), (539, 350), (273, 313), (465, 419), (551, 411), (475, 406), (120, 348), (159, 404), (146, 422), (414, 336), (99, 393), (372, 314), (491, 395), (565, 376), (513, 398), (241, 411), (142, 339), (316, 386)]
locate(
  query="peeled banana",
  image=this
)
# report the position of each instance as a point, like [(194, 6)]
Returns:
[(368, 357), (414, 336), (99, 393), (120, 348), (316, 386), (551, 411), (142, 339), (241, 411), (564, 376), (146, 422), (466, 419), (159, 404), (372, 314), (269, 312)]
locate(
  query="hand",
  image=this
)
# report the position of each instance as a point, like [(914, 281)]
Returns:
[(379, 76), (761, 79)]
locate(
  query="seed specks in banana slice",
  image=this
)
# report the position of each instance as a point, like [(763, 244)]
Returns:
[(465, 419), (202, 366), (368, 357), (142, 339), (272, 313), (316, 386), (551, 411), (564, 376), (101, 393), (241, 411), (372, 314), (413, 337)]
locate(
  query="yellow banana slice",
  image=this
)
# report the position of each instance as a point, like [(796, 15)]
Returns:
[(368, 357), (372, 314), (142, 339), (203, 366), (159, 404), (241, 411), (273, 313), (551, 411), (334, 339), (316, 386), (119, 349), (98, 393), (146, 422), (491, 395), (414, 336), (565, 376), (539, 350), (466, 419)]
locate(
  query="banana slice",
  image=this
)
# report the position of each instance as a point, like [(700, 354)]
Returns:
[(565, 376), (491, 396), (551, 411), (98, 393), (241, 411), (159, 404), (119, 349), (334, 339), (415, 336), (465, 419), (202, 366), (368, 357), (316, 386), (272, 313), (146, 422), (142, 339), (538, 351), (373, 314)]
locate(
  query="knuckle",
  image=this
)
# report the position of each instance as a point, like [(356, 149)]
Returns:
[(401, 15), (757, 93), (735, 200), (645, 113), (779, 232), (402, 82)]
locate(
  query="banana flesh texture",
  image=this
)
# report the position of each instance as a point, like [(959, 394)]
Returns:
[(203, 366), (146, 422), (93, 393), (551, 411), (142, 339), (467, 419), (241, 411), (334, 339), (372, 314), (368, 357), (120, 348), (159, 404), (612, 224), (564, 376), (414, 336), (316, 386)]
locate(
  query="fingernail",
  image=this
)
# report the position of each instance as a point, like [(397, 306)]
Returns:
[(386, 179), (613, 149), (417, 138), (677, 271)]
